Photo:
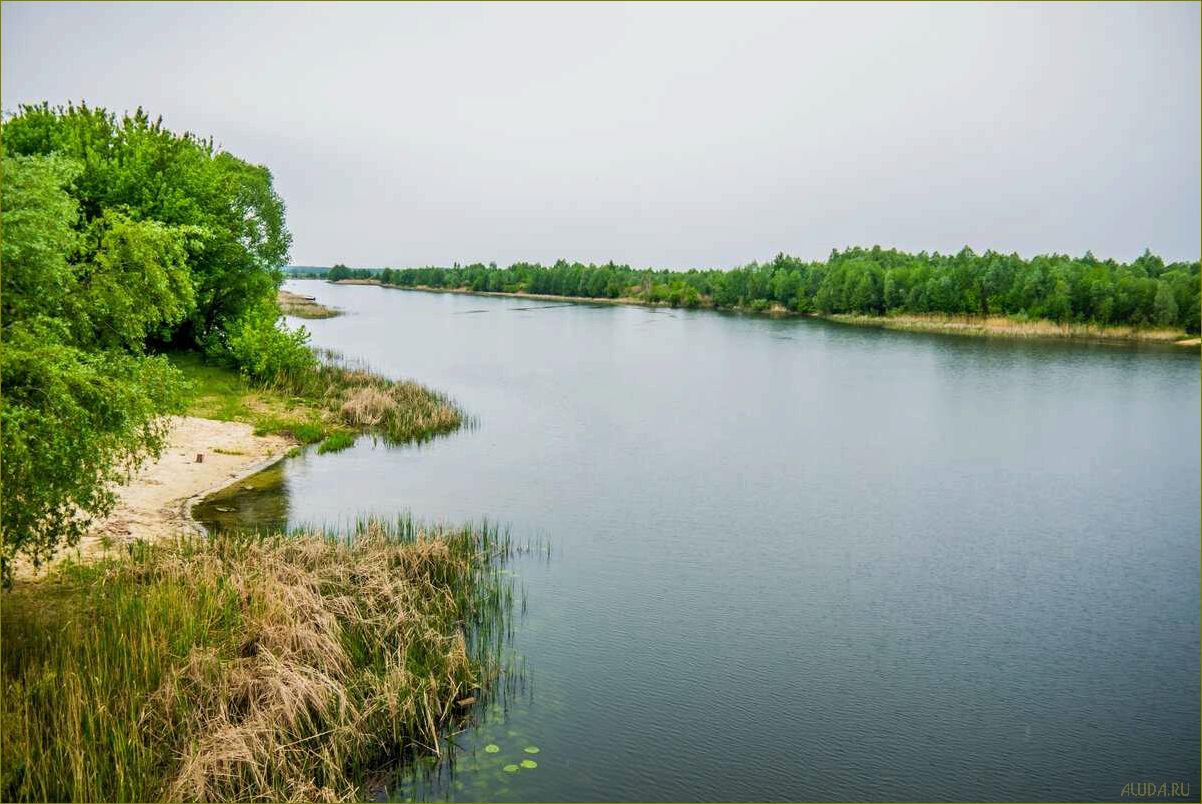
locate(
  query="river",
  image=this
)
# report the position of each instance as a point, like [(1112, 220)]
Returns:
[(794, 559)]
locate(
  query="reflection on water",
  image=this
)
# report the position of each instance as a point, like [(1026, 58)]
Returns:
[(797, 560), (259, 502)]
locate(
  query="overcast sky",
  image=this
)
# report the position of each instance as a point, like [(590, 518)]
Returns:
[(670, 135)]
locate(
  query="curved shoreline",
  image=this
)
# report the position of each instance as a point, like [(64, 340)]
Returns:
[(186, 506), (991, 326), (156, 503)]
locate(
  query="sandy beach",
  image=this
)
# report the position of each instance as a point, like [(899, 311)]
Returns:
[(157, 502)]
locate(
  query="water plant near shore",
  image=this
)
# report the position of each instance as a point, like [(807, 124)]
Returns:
[(336, 442), (294, 304), (329, 399), (246, 667)]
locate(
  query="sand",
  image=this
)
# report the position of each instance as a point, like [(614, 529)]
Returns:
[(157, 502)]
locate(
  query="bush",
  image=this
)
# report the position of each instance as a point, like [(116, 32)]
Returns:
[(72, 423), (266, 351)]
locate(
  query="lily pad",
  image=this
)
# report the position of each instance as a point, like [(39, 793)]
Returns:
[(510, 768), (531, 749), (492, 748), (529, 763)]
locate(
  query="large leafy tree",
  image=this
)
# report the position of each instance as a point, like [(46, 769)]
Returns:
[(80, 404), (119, 237), (136, 166)]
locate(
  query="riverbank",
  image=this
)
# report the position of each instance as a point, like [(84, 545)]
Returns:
[(300, 306), (1003, 327), (154, 662), (247, 667), (987, 326), (329, 405), (201, 456)]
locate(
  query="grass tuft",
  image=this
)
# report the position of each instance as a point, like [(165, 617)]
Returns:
[(244, 667), (336, 442), (320, 402)]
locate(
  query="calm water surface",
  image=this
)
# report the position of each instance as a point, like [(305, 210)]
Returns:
[(800, 560)]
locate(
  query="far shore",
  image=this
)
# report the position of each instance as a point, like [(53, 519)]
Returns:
[(980, 326), (300, 306)]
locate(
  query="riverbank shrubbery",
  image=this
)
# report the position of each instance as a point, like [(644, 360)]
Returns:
[(121, 239), (243, 668), (324, 399), (266, 352), (1145, 292)]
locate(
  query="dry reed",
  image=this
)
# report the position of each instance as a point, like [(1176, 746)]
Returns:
[(245, 667)]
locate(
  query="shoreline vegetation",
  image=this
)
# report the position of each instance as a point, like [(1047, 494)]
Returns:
[(329, 403), (1082, 295), (991, 326), (245, 667), (294, 304), (142, 271)]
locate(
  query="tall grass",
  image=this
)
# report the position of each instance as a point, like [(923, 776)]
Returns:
[(320, 400), (1013, 327), (242, 667), (398, 410)]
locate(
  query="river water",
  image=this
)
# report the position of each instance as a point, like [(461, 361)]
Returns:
[(798, 560)]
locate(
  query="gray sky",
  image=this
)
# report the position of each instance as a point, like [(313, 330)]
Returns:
[(670, 135)]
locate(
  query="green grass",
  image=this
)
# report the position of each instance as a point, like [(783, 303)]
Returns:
[(220, 392), (328, 402), (336, 442), (247, 667)]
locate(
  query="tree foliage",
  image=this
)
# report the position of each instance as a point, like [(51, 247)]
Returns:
[(138, 167), (119, 238), (876, 281)]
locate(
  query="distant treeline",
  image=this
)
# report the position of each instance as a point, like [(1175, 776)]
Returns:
[(876, 281)]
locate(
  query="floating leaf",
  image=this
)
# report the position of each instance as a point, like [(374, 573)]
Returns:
[(510, 768), (492, 748), (529, 763), (531, 749), (511, 733)]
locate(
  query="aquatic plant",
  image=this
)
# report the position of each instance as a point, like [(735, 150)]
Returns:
[(318, 401), (336, 442), (247, 667)]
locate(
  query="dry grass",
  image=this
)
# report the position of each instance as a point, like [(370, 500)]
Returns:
[(302, 306), (398, 407), (247, 668), (1002, 326), (329, 400)]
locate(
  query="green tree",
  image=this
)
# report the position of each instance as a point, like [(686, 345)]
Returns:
[(1164, 306), (80, 407), (138, 167)]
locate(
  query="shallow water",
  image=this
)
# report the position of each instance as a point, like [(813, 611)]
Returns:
[(794, 559)]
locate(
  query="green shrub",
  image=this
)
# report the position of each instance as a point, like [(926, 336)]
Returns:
[(266, 351), (336, 442), (72, 424)]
